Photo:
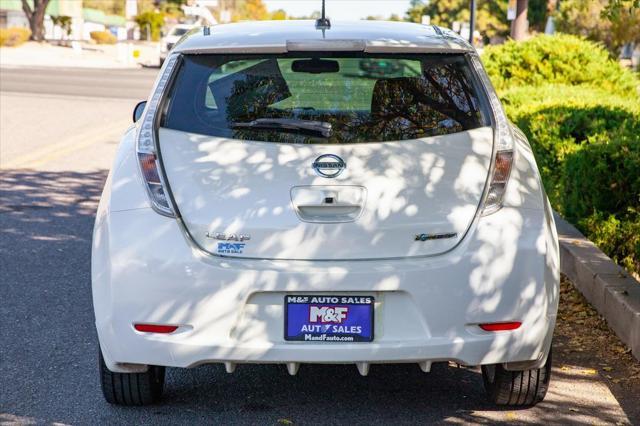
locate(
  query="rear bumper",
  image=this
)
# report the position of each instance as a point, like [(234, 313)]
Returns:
[(230, 310)]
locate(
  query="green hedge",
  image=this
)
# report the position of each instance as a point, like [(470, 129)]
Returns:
[(604, 175), (559, 59), (585, 134), (619, 237), (587, 145), (559, 120)]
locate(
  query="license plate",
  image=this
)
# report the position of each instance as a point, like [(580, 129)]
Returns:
[(328, 318)]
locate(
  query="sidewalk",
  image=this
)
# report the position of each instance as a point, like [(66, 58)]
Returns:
[(82, 55)]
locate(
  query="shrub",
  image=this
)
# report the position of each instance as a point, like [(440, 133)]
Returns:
[(150, 22), (602, 188), (581, 112), (604, 175), (620, 238), (558, 59), (12, 37), (559, 119), (587, 145), (103, 37)]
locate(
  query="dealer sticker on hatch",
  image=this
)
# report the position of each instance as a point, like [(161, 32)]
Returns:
[(231, 248), (328, 318)]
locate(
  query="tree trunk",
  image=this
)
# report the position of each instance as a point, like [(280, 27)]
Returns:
[(35, 17), (520, 24)]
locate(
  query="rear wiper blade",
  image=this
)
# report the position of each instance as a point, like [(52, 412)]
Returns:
[(287, 124)]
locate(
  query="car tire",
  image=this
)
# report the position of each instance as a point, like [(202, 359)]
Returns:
[(131, 388), (516, 388)]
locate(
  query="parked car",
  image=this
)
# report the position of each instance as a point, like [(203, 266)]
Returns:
[(271, 205), (172, 37), (381, 67)]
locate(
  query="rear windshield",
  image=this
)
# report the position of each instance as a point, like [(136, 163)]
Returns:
[(327, 99)]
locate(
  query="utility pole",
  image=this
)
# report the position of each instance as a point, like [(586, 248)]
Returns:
[(472, 21), (520, 24)]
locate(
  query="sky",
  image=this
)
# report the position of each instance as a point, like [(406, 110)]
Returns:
[(341, 9)]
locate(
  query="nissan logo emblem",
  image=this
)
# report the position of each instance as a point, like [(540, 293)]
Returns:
[(329, 165)]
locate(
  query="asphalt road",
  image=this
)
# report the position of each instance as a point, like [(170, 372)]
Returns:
[(95, 83), (58, 132)]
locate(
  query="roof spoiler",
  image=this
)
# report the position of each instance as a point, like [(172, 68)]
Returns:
[(329, 45)]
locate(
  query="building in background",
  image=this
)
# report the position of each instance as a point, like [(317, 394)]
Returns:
[(97, 20), (11, 14)]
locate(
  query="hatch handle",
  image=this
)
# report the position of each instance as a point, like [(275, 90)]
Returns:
[(328, 203)]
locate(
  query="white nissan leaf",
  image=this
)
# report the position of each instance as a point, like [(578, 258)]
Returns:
[(300, 192)]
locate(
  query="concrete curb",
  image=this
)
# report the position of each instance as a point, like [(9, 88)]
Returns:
[(608, 287)]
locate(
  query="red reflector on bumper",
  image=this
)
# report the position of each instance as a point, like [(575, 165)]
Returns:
[(155, 328), (500, 326)]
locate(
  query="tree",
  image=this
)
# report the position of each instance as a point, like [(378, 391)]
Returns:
[(416, 8), (64, 22), (35, 16), (616, 8), (620, 25), (491, 16), (392, 17), (150, 24), (539, 11), (314, 15), (279, 15), (251, 10)]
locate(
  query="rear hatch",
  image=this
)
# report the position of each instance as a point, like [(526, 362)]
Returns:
[(318, 156)]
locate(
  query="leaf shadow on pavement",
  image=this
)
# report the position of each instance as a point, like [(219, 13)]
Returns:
[(48, 347)]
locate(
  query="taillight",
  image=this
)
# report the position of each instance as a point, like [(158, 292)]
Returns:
[(500, 326), (498, 184), (151, 175), (146, 145), (502, 146), (155, 328)]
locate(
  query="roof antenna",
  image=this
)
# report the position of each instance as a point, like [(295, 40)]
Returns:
[(323, 23)]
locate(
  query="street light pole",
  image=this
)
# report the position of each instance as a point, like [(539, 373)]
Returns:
[(472, 21)]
